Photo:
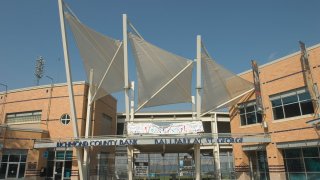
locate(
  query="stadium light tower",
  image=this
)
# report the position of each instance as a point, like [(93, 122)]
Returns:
[(39, 68)]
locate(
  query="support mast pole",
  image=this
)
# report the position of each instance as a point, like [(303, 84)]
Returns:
[(126, 73), (86, 171), (126, 87), (198, 107), (70, 88)]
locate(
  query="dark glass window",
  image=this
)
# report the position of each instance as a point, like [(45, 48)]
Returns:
[(293, 153), (276, 102), (51, 155), (207, 126), (65, 119), (302, 163), (14, 158), (310, 152), (5, 158), (304, 96), (297, 176), (67, 169), (60, 155), (306, 107), (21, 170), (23, 158), (249, 114), (292, 110), (68, 155), (292, 103), (50, 166), (243, 119), (120, 128), (3, 170), (312, 164), (290, 99), (295, 165), (14, 166), (278, 112)]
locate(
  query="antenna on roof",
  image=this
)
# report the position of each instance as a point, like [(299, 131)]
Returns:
[(39, 68)]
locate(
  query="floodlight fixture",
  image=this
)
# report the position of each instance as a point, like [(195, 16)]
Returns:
[(39, 68)]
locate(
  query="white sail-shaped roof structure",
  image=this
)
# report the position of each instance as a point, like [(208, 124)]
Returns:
[(221, 88), (102, 54), (163, 77)]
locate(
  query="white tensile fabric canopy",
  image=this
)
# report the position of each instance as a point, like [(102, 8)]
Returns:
[(221, 88), (163, 77), (102, 54)]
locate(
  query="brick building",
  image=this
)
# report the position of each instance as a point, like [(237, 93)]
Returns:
[(294, 149), (42, 112)]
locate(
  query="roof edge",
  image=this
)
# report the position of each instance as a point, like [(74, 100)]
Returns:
[(282, 58), (42, 87)]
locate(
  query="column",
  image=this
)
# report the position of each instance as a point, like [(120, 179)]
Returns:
[(130, 162), (197, 161), (275, 162)]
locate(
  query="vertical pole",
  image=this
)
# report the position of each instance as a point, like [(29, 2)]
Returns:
[(198, 106), (88, 128), (126, 86), (126, 72), (130, 162), (251, 168), (70, 88), (197, 161), (193, 101), (217, 148)]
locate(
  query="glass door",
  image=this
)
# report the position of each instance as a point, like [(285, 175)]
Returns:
[(12, 171), (58, 170)]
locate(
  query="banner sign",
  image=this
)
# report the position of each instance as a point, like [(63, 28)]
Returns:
[(165, 128), (141, 170), (154, 141)]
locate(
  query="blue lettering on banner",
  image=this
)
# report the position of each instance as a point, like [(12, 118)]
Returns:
[(126, 142), (229, 140)]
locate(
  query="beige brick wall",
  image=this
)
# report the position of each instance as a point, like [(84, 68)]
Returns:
[(53, 106), (276, 77)]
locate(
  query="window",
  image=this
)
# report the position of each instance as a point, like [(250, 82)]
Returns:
[(249, 114), (120, 128), (13, 164), (107, 123), (24, 117), (226, 164), (302, 163), (292, 103), (207, 126), (65, 119)]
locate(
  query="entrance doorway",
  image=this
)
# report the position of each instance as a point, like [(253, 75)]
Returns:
[(259, 165), (59, 165)]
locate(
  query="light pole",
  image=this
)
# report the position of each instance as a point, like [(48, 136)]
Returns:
[(39, 68)]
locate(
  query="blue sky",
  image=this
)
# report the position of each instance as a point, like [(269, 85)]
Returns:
[(234, 32)]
